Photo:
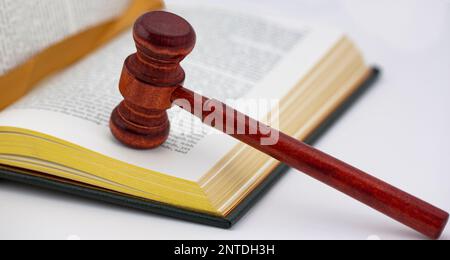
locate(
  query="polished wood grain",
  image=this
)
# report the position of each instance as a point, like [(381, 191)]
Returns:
[(149, 77), (152, 81), (399, 205)]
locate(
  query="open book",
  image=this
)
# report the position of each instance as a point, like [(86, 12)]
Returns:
[(57, 134)]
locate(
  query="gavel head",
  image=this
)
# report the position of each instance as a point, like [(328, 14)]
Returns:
[(149, 78)]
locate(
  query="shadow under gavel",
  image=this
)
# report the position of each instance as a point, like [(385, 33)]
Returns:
[(151, 83)]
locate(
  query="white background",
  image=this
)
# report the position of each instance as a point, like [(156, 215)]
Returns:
[(399, 132)]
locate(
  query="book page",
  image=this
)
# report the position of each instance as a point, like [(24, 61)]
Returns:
[(27, 27), (236, 56)]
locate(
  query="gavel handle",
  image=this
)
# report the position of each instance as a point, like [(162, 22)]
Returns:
[(393, 202)]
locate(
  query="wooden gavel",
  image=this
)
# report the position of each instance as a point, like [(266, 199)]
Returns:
[(152, 81)]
